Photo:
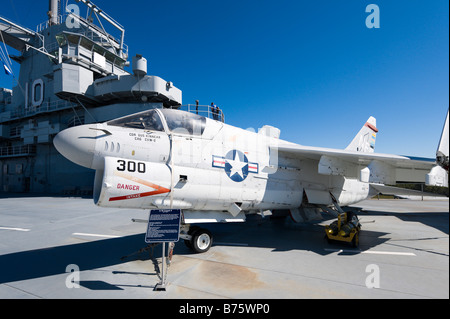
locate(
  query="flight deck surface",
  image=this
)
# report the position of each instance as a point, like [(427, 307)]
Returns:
[(403, 253)]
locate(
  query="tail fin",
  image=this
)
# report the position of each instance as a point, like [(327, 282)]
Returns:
[(442, 151), (364, 141)]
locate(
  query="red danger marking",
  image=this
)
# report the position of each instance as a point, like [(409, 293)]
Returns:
[(158, 189), (161, 190), (128, 187)]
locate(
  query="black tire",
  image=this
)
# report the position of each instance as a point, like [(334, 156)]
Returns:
[(201, 240), (191, 231)]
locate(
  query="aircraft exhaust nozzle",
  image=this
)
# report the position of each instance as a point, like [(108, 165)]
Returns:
[(77, 144)]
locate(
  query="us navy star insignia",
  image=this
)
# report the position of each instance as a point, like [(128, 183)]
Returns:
[(236, 165)]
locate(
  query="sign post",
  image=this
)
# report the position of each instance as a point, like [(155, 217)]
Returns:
[(163, 227)]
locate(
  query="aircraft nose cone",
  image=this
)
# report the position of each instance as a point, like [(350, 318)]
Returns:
[(77, 144)]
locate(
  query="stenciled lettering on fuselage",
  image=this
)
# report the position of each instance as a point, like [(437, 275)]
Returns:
[(127, 186), (236, 165)]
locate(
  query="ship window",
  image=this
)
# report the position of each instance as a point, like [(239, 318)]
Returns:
[(37, 92), (85, 43), (61, 40), (184, 122), (73, 38), (148, 120)]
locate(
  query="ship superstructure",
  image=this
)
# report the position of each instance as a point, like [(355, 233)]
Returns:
[(72, 72)]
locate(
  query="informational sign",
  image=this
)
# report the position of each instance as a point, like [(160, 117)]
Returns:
[(163, 226)]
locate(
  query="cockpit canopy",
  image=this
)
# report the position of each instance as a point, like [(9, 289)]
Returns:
[(178, 122), (184, 122), (147, 120)]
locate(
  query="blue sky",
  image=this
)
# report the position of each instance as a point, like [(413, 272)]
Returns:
[(311, 68)]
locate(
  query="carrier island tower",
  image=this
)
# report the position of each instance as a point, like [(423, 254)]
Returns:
[(72, 72)]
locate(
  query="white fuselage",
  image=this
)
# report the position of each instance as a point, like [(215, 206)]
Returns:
[(224, 166), (220, 168)]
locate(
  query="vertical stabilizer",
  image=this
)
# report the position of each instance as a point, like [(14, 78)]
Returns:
[(364, 141), (442, 151)]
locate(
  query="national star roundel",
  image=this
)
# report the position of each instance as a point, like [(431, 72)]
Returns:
[(236, 165)]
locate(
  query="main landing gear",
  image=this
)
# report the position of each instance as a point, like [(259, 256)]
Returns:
[(196, 238)]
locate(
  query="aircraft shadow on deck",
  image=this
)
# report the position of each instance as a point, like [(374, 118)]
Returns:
[(282, 235)]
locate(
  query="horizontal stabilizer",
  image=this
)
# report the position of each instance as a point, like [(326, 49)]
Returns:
[(442, 153), (438, 176)]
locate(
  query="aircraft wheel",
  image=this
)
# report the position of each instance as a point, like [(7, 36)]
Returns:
[(201, 240)]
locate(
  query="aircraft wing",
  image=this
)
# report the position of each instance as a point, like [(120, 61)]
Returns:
[(368, 167), (359, 160), (355, 157), (390, 190)]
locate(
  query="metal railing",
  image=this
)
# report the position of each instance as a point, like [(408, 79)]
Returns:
[(44, 25), (95, 34), (204, 110), (16, 151), (43, 108)]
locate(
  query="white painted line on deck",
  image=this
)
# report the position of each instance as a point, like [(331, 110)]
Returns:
[(388, 253), (95, 235), (373, 252), (14, 228)]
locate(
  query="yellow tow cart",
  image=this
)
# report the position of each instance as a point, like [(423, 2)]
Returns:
[(346, 229)]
